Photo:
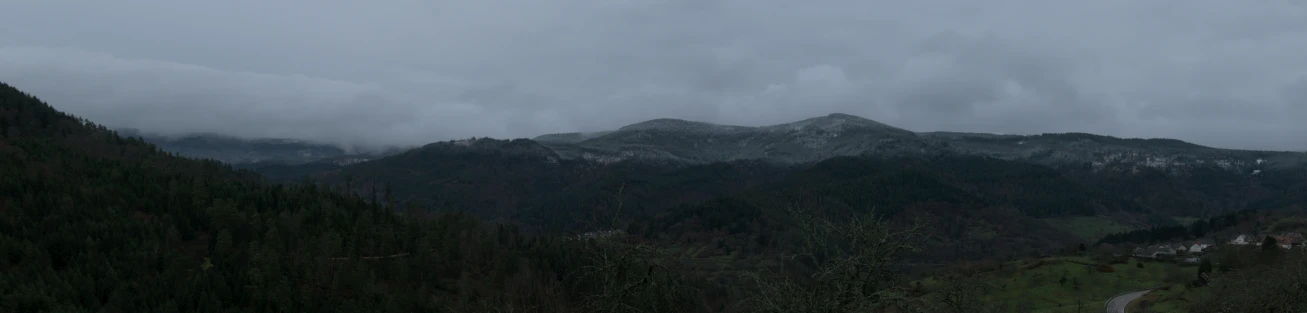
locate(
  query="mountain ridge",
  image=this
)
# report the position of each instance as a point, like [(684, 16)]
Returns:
[(676, 140), (667, 140), (839, 134)]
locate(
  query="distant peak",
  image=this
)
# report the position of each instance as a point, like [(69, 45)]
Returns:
[(572, 137), (841, 118), (661, 121), (850, 118), (672, 124), (835, 121), (846, 116)]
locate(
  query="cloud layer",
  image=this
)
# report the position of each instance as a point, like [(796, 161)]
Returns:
[(1223, 73)]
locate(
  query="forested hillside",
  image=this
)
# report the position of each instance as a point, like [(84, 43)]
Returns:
[(975, 207), (523, 181), (95, 222), (979, 207)]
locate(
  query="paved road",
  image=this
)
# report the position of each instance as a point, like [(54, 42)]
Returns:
[(1117, 304)]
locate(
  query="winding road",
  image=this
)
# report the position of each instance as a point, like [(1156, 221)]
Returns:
[(1117, 304)]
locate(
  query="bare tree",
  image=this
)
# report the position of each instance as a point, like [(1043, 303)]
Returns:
[(1080, 302), (622, 275), (852, 262), (962, 294)]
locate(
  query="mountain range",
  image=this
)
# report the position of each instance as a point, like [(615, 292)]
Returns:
[(676, 141), (837, 134), (674, 178)]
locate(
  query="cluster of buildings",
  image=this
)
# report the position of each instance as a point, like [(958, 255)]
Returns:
[(1286, 240), (1191, 251)]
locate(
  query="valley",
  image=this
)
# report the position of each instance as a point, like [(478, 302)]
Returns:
[(681, 179), (830, 214)]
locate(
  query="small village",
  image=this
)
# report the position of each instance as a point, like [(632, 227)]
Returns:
[(1192, 251)]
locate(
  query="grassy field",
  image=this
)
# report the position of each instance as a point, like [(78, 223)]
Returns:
[(1089, 228), (1045, 285), (1171, 299), (1293, 224), (1061, 284)]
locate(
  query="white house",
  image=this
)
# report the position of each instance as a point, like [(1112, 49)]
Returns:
[(1201, 246), (1155, 251), (1241, 240)]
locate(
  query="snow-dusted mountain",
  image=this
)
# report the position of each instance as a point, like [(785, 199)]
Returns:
[(1105, 152), (804, 141), (834, 135)]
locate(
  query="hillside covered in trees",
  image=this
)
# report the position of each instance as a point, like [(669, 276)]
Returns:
[(978, 207), (526, 181)]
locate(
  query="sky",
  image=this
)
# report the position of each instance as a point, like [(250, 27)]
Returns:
[(1223, 73)]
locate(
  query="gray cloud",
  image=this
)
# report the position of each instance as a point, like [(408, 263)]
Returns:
[(1221, 73)]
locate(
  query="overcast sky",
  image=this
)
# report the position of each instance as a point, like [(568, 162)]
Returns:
[(1222, 73)]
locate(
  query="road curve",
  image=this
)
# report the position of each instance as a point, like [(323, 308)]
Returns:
[(1117, 304)]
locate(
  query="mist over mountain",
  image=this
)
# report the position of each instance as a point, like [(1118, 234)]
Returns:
[(244, 151)]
